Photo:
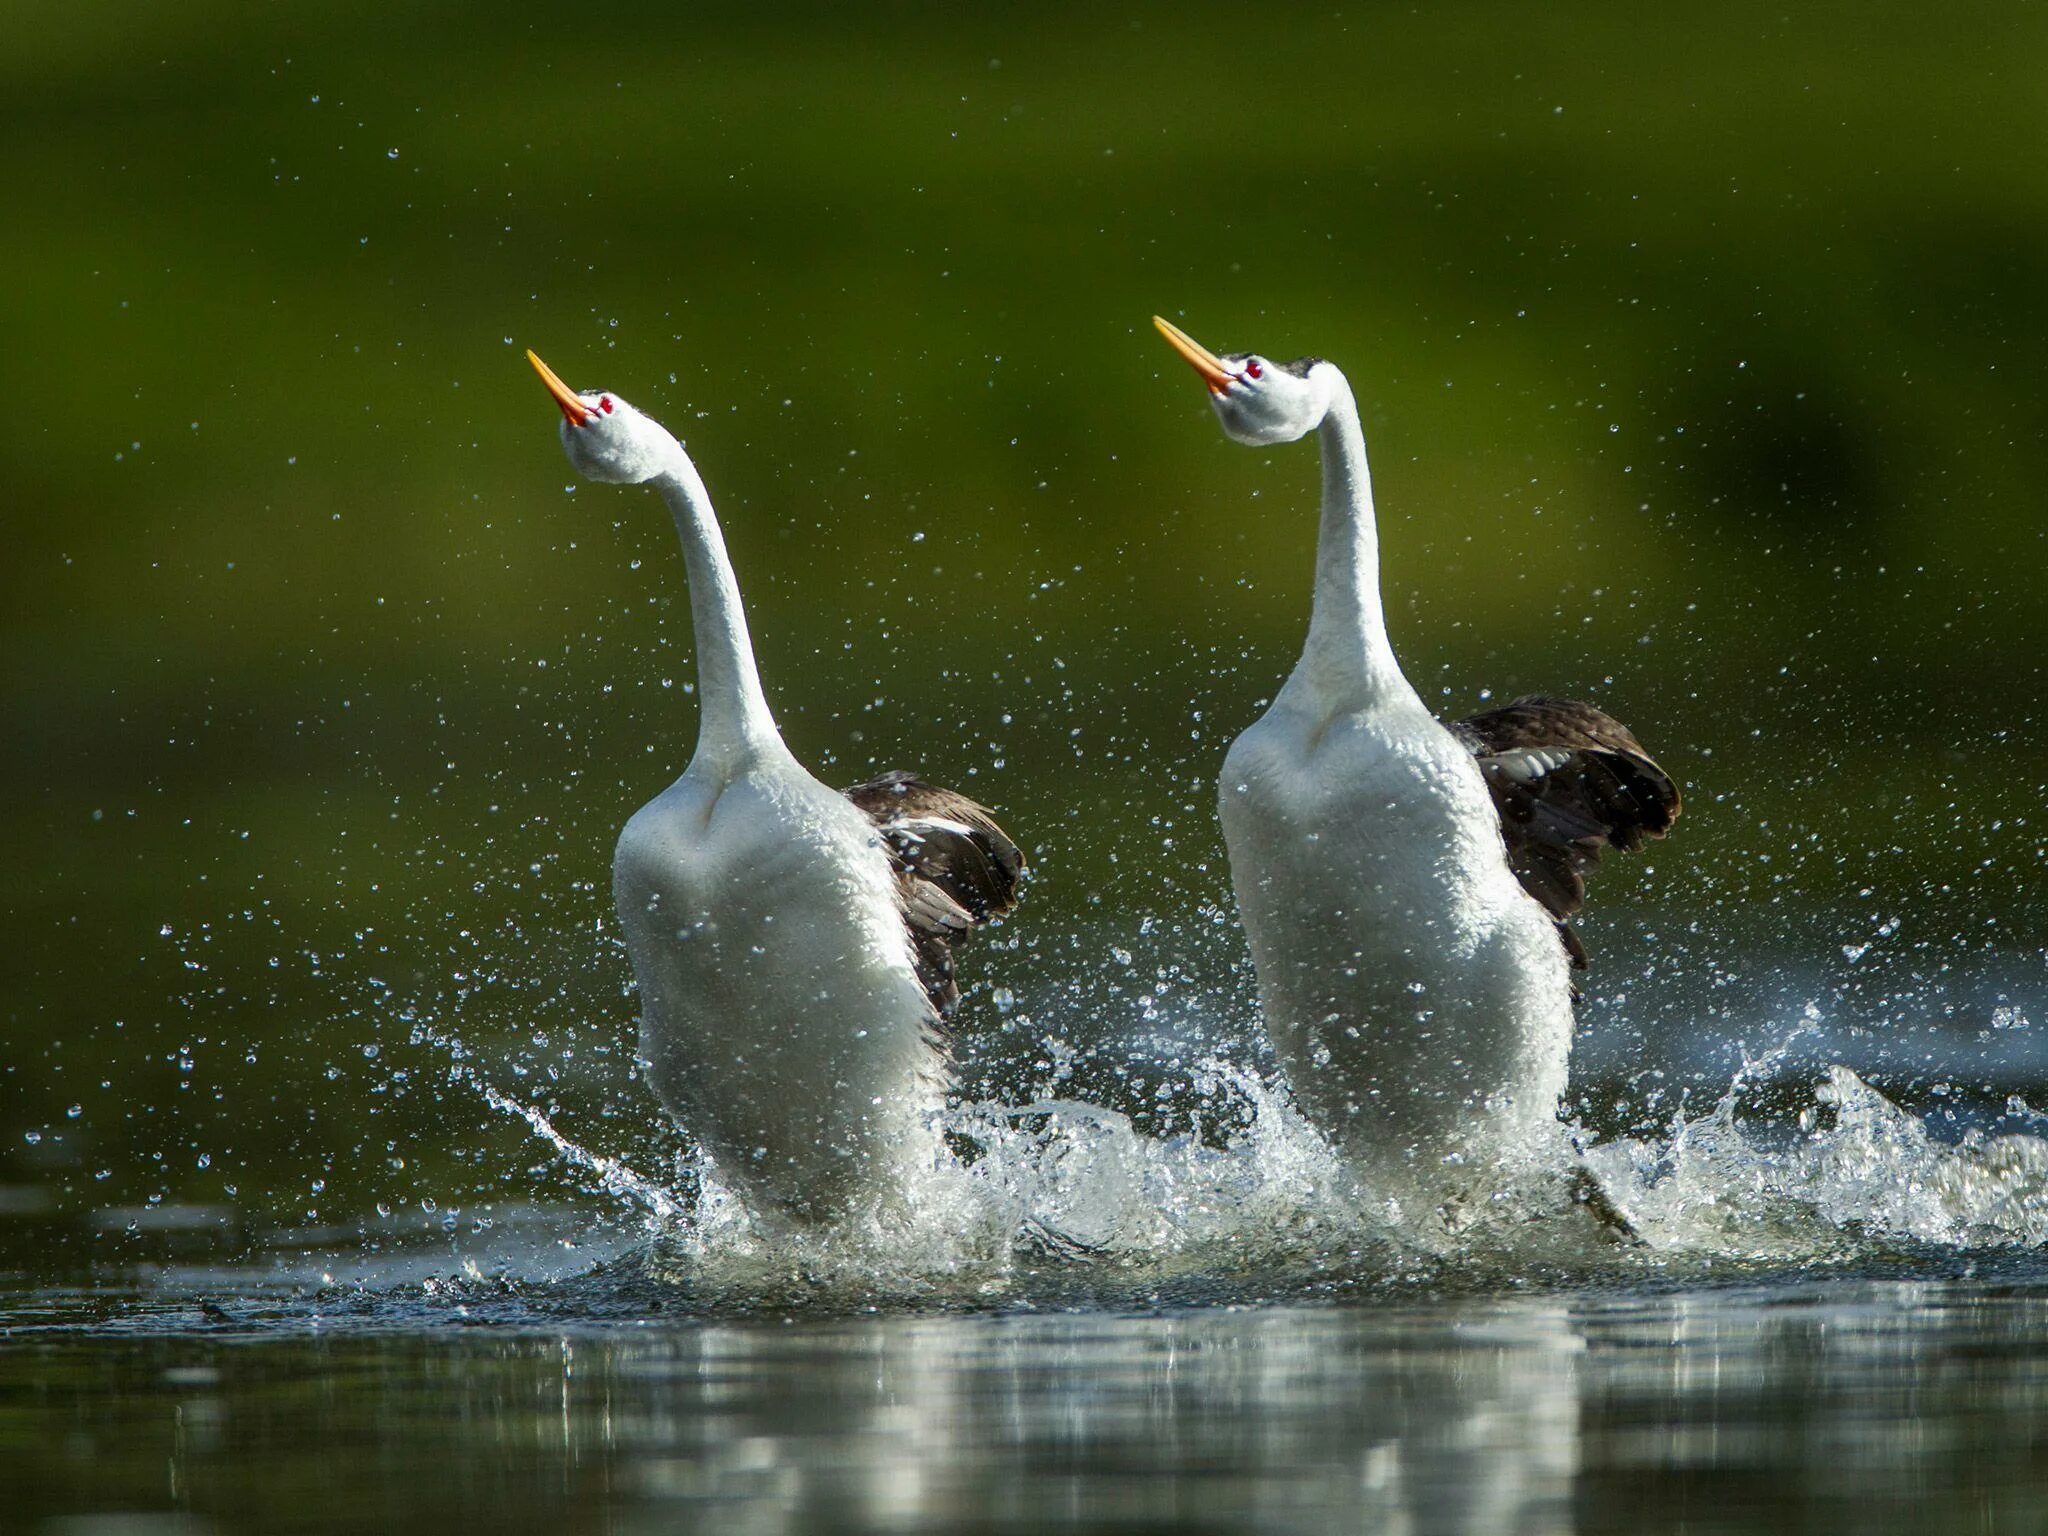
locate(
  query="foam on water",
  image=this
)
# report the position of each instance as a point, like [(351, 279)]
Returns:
[(1855, 1174), (1060, 1196)]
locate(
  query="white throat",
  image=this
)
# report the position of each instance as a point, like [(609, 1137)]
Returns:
[(734, 725), (1348, 662)]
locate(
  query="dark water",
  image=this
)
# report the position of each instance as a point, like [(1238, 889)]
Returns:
[(1703, 359), (1774, 1403), (1839, 1318)]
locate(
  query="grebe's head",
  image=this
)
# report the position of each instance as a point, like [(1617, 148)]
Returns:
[(605, 438), (1260, 402)]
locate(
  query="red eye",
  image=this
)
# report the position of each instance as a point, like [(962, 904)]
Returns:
[(604, 403), (1254, 369)]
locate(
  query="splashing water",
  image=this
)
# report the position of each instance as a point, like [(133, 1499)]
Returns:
[(1859, 1176), (612, 1177), (1059, 1197)]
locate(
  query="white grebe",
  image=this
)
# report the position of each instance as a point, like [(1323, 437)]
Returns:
[(792, 943), (1405, 885)]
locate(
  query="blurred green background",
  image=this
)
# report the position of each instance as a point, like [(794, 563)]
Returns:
[(1702, 359)]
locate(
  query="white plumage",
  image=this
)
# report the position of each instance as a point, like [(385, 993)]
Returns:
[(787, 951), (1417, 994)]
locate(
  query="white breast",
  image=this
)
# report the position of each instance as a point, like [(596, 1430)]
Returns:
[(1419, 1000), (782, 1022)]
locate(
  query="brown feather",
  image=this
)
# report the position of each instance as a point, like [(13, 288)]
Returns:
[(1569, 782), (955, 869)]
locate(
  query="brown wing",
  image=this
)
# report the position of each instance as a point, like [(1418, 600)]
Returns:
[(1569, 782), (955, 869)]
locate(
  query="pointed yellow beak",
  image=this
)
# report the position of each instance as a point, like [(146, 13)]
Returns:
[(574, 409), (1198, 357)]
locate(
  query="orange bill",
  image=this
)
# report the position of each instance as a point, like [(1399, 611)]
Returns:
[(574, 409), (1198, 357)]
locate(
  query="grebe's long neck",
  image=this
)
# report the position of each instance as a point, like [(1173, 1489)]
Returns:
[(733, 722), (1348, 661)]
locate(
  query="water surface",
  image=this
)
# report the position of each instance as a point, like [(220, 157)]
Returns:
[(1702, 360), (1910, 1399)]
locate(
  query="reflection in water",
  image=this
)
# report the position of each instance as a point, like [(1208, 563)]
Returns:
[(1915, 1404), (1248, 1421)]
